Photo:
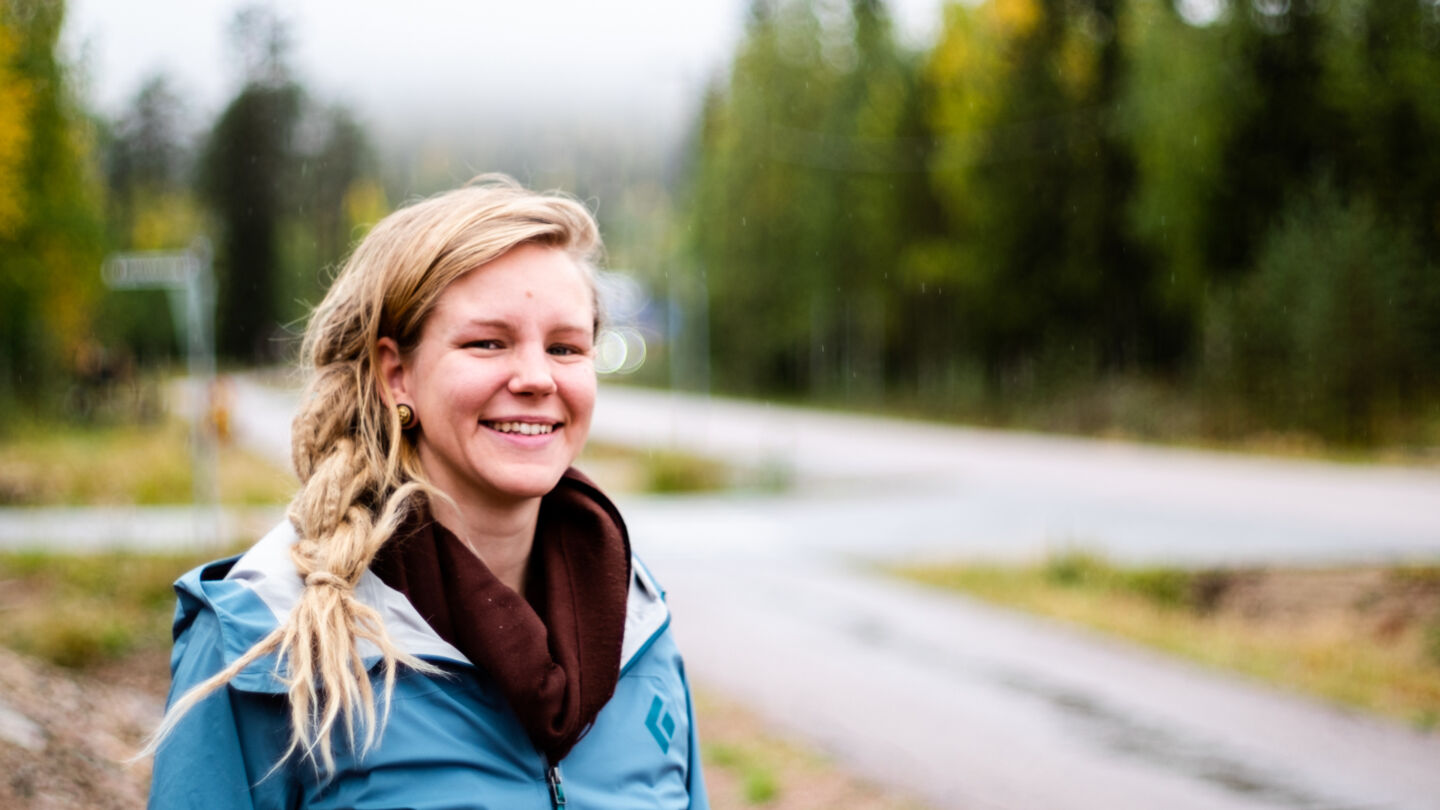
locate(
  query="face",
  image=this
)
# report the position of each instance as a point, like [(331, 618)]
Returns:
[(503, 379)]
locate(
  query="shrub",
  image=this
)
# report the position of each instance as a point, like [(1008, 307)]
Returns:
[(1338, 326), (1074, 568)]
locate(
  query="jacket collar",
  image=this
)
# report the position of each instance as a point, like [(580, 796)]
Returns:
[(252, 594)]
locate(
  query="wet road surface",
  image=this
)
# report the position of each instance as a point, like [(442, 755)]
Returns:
[(969, 706)]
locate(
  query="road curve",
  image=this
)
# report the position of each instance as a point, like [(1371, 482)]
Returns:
[(969, 706)]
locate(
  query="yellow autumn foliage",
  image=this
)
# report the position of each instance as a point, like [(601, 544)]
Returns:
[(966, 71), (365, 205), (165, 221), (1013, 18), (1076, 66), (15, 103)]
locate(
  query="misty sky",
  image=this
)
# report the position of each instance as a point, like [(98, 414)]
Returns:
[(428, 63)]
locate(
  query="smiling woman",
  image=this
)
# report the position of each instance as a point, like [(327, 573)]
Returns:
[(441, 552)]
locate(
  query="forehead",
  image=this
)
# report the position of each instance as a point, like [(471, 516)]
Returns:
[(527, 283)]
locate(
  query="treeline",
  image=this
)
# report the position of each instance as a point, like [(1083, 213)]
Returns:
[(1240, 203), (1234, 204), (50, 217), (279, 182)]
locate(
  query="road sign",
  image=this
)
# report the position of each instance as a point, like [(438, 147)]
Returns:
[(152, 269), (187, 276)]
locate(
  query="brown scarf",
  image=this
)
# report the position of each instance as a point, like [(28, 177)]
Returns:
[(555, 657)]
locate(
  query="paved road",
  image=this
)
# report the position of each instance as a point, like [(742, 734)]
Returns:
[(974, 707), (136, 528), (968, 706)]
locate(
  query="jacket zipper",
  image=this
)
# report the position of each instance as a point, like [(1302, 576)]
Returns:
[(557, 787)]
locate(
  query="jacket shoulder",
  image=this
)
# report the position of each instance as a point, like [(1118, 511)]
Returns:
[(253, 594)]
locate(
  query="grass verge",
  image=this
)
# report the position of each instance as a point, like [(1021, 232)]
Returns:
[(624, 469), (61, 464), (86, 610), (749, 765), (1368, 638), (672, 472)]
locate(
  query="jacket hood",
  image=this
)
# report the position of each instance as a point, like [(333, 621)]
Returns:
[(252, 594)]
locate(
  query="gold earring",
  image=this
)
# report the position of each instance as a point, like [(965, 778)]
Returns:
[(407, 416)]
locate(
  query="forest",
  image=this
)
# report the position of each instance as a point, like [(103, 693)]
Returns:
[(1237, 205), (1188, 220)]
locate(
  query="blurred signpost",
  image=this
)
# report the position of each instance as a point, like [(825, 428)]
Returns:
[(188, 278)]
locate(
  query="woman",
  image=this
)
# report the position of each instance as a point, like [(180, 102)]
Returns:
[(451, 616)]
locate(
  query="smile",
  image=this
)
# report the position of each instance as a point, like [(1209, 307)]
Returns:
[(523, 428)]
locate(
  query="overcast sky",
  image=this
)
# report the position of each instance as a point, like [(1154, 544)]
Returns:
[(421, 63)]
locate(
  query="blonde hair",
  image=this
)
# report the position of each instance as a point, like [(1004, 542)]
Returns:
[(359, 475)]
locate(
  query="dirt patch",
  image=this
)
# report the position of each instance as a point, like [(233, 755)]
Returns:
[(1382, 603), (65, 739)]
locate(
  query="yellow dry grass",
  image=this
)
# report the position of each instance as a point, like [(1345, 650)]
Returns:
[(1338, 653), (146, 464), (84, 610)]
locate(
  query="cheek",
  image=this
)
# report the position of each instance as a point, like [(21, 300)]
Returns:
[(580, 388), (457, 384)]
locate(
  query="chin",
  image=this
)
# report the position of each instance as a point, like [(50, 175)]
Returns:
[(525, 487)]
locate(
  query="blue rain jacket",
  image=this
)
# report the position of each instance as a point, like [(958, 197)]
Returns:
[(450, 742)]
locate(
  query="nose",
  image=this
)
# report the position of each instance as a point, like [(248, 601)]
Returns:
[(530, 374)]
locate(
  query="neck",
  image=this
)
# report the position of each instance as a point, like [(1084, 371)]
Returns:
[(501, 535)]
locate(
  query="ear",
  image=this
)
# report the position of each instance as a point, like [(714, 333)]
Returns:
[(391, 366)]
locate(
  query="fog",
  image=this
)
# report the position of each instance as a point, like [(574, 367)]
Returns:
[(433, 74)]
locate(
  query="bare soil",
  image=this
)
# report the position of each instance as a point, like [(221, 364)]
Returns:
[(1381, 603), (65, 740)]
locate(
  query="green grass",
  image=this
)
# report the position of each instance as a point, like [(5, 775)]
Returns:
[(749, 763), (672, 471), (82, 610), (624, 469), (1339, 652), (59, 464), (757, 777)]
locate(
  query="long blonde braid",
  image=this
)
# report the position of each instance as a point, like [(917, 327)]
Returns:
[(359, 475)]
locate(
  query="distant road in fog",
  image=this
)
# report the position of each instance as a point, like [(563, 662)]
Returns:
[(971, 707)]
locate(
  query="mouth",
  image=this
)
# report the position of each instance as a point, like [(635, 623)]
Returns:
[(522, 428)]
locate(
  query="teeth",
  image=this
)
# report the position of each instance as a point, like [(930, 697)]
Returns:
[(523, 428)]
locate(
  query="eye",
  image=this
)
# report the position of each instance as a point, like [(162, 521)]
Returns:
[(565, 350), (488, 343)]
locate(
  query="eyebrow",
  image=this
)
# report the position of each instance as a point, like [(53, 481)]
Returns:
[(492, 323), (502, 324)]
